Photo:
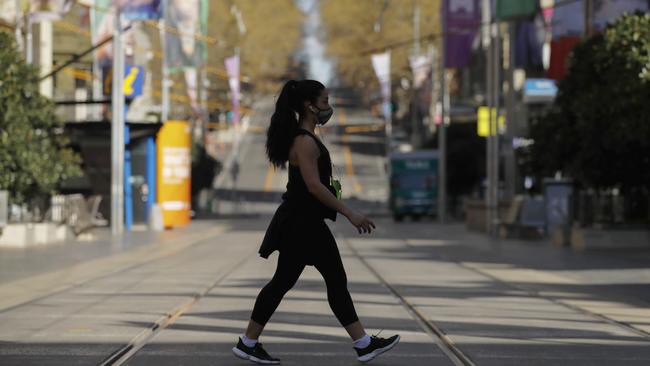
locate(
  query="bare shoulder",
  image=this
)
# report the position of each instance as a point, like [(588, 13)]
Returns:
[(306, 145)]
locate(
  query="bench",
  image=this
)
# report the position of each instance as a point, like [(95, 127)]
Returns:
[(77, 212), (525, 218)]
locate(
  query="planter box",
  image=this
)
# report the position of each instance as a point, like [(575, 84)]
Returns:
[(589, 238), (476, 214), (32, 234)]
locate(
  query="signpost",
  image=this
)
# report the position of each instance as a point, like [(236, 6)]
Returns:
[(117, 130)]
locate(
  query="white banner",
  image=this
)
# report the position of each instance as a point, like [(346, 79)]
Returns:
[(381, 64)]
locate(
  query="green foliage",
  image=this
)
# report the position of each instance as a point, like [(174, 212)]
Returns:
[(465, 158), (34, 157), (599, 129)]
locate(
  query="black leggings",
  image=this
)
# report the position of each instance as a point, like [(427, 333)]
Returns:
[(287, 273)]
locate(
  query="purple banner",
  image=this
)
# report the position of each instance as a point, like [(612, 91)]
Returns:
[(463, 18)]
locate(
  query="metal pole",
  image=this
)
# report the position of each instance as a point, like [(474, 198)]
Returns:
[(45, 56), (416, 27), (164, 108), (29, 42), (442, 131), (488, 96), (496, 83), (19, 25), (97, 72), (415, 130), (589, 12), (510, 167), (117, 131), (389, 122), (235, 109)]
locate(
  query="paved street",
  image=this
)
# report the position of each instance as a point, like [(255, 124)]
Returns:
[(182, 297)]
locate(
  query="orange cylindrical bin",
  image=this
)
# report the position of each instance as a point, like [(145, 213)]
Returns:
[(174, 172)]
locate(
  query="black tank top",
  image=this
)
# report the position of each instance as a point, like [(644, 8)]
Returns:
[(297, 194)]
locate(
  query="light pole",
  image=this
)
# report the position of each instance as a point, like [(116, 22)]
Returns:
[(415, 130), (164, 103), (117, 130), (19, 25), (442, 128)]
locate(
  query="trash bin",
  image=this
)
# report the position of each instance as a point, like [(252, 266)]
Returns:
[(558, 202)]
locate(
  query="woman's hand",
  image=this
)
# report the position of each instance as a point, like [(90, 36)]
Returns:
[(362, 223)]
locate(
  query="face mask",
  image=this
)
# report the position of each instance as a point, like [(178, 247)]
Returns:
[(323, 115)]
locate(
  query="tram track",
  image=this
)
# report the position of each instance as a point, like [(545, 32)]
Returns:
[(123, 354), (534, 293), (444, 342)]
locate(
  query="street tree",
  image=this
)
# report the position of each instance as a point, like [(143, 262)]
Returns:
[(34, 154), (266, 34), (598, 131), (355, 29)]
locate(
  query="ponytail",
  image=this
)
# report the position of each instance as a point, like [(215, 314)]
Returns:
[(284, 121)]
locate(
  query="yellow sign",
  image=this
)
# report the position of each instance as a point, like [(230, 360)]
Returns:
[(174, 172), (483, 125)]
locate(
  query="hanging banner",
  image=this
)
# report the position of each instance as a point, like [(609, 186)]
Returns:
[(186, 27), (232, 68), (421, 68), (567, 28), (182, 23), (514, 9), (529, 42), (463, 19), (174, 172), (381, 64)]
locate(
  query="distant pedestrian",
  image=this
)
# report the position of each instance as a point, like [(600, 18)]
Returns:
[(298, 229), (234, 175), (234, 172)]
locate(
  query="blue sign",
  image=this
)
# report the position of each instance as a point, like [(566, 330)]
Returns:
[(540, 90), (133, 80)]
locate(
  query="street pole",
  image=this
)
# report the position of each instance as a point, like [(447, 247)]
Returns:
[(415, 130), (164, 102), (488, 43), (510, 167), (19, 25), (496, 84), (488, 139), (235, 109), (97, 73), (589, 12), (117, 130), (416, 27), (442, 131), (387, 111), (29, 40)]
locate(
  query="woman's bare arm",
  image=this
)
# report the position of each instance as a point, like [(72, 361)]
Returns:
[(307, 154)]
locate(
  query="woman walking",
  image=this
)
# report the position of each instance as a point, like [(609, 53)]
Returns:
[(298, 229)]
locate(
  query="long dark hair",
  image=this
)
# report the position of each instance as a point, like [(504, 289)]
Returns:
[(284, 123)]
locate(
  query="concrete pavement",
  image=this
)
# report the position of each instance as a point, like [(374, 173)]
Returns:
[(182, 297), (188, 307)]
